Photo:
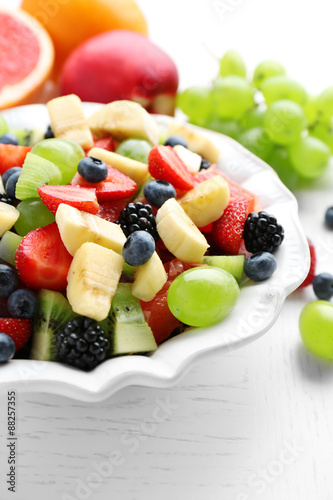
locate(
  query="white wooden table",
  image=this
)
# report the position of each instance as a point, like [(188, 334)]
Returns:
[(253, 424)]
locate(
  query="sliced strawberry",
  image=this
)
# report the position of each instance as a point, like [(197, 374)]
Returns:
[(312, 272), (12, 156), (206, 229), (110, 210), (42, 260), (107, 143), (75, 196), (19, 329), (165, 164), (117, 186), (228, 229)]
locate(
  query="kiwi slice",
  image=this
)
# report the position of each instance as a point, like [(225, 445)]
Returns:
[(53, 313), (29, 137), (233, 264), (36, 172)]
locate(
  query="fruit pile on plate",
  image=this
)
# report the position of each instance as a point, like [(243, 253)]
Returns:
[(117, 237)]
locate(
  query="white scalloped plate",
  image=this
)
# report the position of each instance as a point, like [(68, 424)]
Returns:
[(256, 311)]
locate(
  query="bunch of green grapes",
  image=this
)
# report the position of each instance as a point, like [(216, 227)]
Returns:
[(271, 115)]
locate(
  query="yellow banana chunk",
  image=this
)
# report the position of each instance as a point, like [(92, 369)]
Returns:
[(123, 119), (149, 279), (179, 234), (136, 170), (77, 227), (93, 278), (207, 201), (68, 120), (196, 142), (191, 160), (8, 217)]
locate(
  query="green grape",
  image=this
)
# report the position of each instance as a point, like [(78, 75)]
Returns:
[(254, 117), (195, 102), (310, 109), (232, 128), (231, 96), (232, 64), (324, 132), (3, 125), (257, 141), (309, 157), (279, 159), (137, 149), (266, 69), (203, 296), (63, 153), (284, 122), (33, 214), (280, 87), (316, 328), (325, 104)]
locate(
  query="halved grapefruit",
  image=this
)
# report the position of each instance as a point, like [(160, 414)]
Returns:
[(26, 58)]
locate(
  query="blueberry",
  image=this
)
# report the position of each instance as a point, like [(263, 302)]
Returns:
[(7, 347), (22, 303), (49, 133), (260, 266), (174, 140), (10, 186), (138, 248), (204, 164), (8, 280), (9, 138), (8, 173), (92, 169), (158, 192), (329, 217), (323, 286)]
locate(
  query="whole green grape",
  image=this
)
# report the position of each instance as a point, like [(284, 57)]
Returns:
[(254, 117), (63, 153), (257, 141), (279, 159), (324, 132), (231, 128), (136, 149), (3, 125), (311, 111), (284, 121), (316, 328), (33, 214), (325, 104), (196, 103), (280, 87), (265, 70), (232, 64), (203, 296), (309, 157), (231, 97)]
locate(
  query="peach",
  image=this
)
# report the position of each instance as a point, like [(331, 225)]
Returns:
[(121, 64)]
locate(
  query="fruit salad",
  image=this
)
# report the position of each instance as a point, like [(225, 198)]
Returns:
[(116, 236)]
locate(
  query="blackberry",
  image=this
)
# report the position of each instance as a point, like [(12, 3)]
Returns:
[(138, 217), (82, 343), (6, 199), (262, 233)]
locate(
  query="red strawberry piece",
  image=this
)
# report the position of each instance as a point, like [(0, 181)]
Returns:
[(117, 186), (165, 164), (312, 272), (19, 329), (75, 196), (228, 229), (206, 229), (12, 156), (110, 210), (107, 143), (42, 260)]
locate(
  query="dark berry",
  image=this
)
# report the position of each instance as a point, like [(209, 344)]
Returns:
[(174, 140), (158, 192), (323, 286), (8, 280), (6, 199), (329, 217), (11, 184), (82, 343), (137, 217), (262, 233), (22, 303), (9, 138), (138, 248), (7, 347), (5, 176), (260, 266), (49, 133), (204, 164), (92, 169)]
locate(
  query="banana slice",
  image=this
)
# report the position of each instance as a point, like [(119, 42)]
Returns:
[(179, 234), (8, 217), (196, 142), (149, 279), (207, 201), (93, 278), (191, 160), (123, 119), (68, 120)]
